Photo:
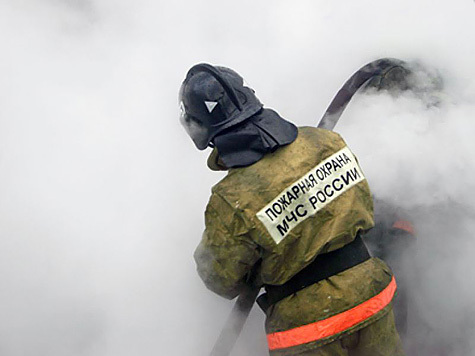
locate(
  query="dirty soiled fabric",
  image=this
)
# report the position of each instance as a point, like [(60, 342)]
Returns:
[(307, 198), (377, 339)]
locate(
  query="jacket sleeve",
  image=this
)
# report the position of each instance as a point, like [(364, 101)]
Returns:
[(226, 253)]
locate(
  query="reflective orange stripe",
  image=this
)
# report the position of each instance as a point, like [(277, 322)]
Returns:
[(404, 225), (333, 325)]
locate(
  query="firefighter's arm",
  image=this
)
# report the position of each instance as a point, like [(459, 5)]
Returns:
[(226, 253)]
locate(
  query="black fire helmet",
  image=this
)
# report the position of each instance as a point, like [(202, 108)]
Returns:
[(213, 99)]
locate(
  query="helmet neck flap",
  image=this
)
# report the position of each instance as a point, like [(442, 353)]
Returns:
[(248, 142)]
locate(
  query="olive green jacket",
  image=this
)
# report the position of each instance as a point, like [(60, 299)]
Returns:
[(306, 198)]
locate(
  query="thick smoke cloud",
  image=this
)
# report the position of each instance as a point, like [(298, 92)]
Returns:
[(102, 193)]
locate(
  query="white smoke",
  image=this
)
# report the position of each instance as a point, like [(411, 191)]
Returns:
[(420, 160), (102, 193)]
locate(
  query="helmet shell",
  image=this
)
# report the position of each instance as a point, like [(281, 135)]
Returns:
[(213, 99)]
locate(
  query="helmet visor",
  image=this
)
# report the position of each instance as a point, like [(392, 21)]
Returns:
[(194, 128)]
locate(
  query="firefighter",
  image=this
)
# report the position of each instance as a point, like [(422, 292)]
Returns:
[(291, 210)]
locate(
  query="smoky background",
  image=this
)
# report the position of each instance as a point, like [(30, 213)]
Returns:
[(102, 194)]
